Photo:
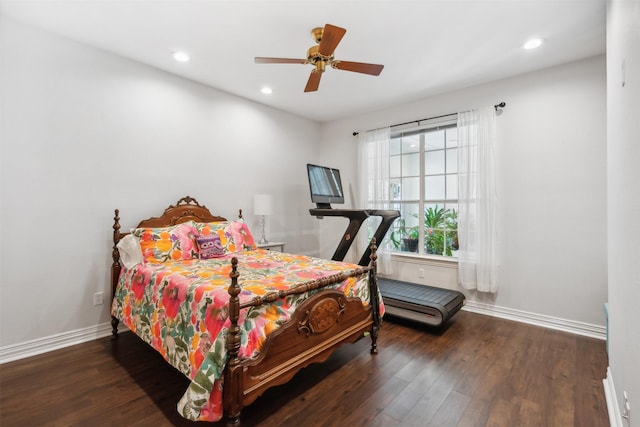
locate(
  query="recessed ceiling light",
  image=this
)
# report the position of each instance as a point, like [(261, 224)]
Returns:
[(266, 90), (181, 56), (532, 43)]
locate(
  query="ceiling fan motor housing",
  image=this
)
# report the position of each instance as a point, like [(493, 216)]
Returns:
[(314, 57)]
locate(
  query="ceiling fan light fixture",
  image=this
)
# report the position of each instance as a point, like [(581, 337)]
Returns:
[(317, 34), (181, 56), (532, 43)]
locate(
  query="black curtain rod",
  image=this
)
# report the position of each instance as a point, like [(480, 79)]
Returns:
[(500, 105)]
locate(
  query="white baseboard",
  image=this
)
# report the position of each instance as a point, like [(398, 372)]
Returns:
[(66, 339), (54, 342), (571, 326), (612, 400)]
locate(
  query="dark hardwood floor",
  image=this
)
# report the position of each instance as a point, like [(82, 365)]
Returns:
[(479, 371)]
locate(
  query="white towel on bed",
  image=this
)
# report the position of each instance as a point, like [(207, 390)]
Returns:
[(130, 251)]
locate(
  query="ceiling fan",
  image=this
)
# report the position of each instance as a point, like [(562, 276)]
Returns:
[(321, 55)]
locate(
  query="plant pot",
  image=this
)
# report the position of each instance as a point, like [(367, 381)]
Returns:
[(410, 245)]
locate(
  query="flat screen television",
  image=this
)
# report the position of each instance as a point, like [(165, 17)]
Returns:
[(325, 186)]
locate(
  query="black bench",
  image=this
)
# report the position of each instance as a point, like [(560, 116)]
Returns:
[(421, 303)]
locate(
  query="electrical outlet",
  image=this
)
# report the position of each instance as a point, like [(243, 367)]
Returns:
[(98, 298), (421, 273)]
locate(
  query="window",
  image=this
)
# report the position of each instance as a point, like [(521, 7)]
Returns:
[(423, 179)]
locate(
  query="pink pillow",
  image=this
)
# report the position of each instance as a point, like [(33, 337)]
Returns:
[(173, 243), (234, 235)]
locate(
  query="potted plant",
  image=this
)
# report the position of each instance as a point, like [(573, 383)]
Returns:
[(405, 239), (434, 222), (410, 241)]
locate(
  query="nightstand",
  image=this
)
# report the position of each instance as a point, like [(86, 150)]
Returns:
[(271, 246)]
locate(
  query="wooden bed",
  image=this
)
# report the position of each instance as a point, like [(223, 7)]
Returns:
[(319, 325)]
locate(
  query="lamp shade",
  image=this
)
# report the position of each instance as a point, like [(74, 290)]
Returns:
[(262, 204)]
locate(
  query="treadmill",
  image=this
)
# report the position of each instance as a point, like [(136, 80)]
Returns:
[(421, 303)]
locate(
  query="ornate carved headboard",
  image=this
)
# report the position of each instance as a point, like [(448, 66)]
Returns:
[(186, 209)]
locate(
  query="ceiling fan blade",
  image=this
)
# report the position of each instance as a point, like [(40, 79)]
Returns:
[(313, 82), (260, 60), (358, 67), (330, 39)]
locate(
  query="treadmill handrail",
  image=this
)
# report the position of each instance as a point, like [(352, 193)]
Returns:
[(356, 218)]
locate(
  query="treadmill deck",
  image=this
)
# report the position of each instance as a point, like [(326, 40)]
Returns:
[(421, 303)]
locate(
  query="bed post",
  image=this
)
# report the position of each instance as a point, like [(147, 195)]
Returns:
[(232, 399), (375, 301), (115, 269)]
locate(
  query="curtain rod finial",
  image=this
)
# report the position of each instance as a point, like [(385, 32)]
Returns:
[(501, 105)]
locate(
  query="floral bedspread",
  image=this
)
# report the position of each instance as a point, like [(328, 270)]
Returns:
[(180, 309)]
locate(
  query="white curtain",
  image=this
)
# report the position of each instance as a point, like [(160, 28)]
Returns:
[(477, 231), (373, 185)]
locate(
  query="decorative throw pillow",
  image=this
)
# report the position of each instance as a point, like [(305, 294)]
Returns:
[(210, 246), (163, 244)]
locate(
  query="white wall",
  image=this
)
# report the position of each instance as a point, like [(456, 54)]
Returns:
[(552, 187), (623, 156), (85, 132)]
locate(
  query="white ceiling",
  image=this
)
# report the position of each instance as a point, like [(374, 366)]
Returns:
[(427, 47)]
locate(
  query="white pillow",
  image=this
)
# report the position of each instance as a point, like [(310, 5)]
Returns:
[(130, 251)]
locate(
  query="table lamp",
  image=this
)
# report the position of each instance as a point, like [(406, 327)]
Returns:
[(263, 206)]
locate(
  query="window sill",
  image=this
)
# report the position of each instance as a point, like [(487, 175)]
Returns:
[(426, 259)]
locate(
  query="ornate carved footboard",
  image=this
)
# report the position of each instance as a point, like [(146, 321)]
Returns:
[(319, 325), (322, 323)]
